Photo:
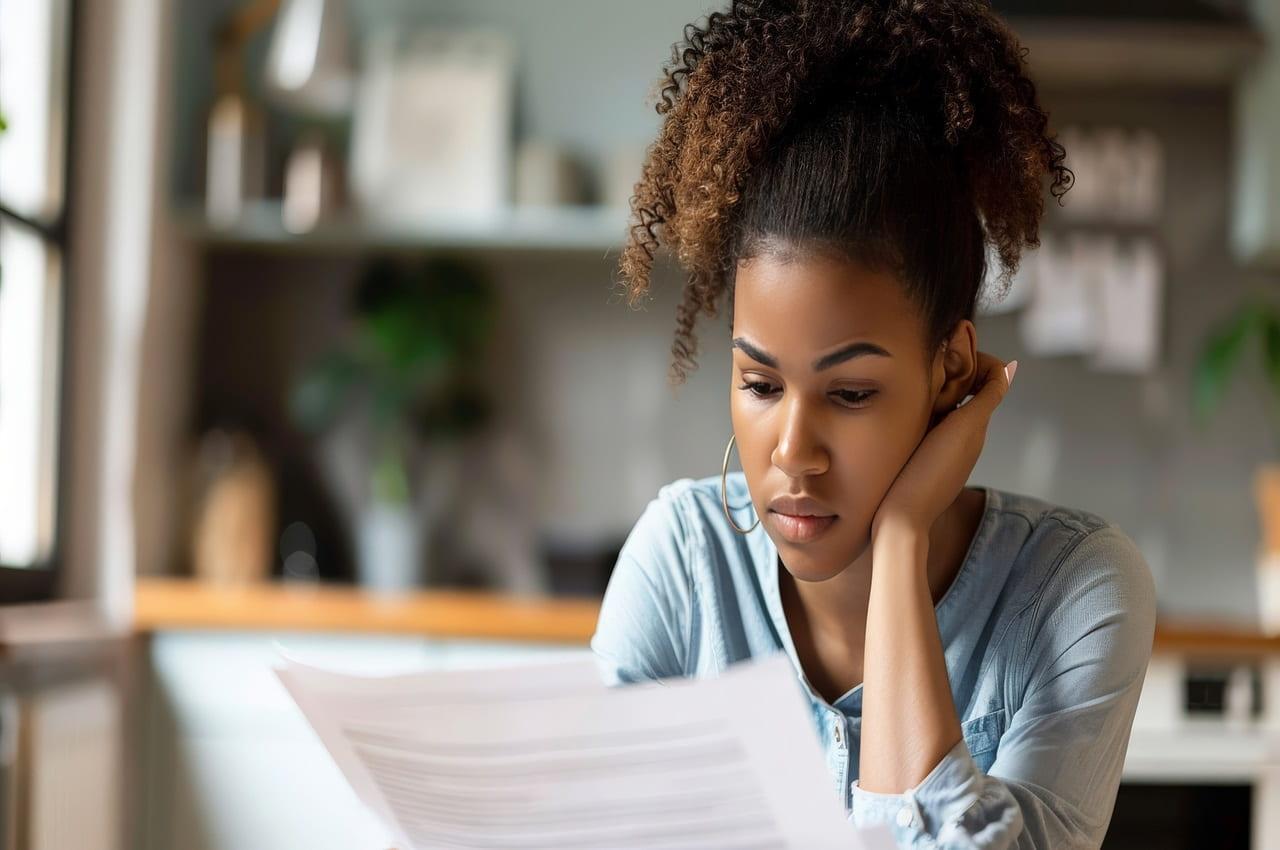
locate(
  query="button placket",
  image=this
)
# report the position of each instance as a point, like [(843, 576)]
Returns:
[(909, 814)]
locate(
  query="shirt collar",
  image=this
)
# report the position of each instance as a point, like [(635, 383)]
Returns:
[(765, 557)]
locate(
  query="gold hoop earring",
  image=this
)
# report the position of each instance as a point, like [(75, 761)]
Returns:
[(724, 499)]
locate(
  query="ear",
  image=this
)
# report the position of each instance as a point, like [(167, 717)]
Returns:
[(955, 368)]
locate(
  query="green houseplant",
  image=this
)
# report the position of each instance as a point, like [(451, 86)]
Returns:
[(1221, 353), (408, 365)]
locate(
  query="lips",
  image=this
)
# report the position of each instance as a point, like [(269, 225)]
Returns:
[(800, 518), (800, 506), (801, 529)]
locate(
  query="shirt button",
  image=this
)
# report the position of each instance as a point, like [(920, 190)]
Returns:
[(839, 735), (905, 816)]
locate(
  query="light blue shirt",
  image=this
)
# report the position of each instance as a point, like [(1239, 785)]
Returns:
[(1047, 629)]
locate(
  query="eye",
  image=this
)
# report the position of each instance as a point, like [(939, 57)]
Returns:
[(851, 398), (857, 398), (759, 389)]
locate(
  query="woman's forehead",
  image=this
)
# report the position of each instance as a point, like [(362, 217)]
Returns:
[(811, 305)]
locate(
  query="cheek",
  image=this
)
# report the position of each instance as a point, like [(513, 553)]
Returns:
[(753, 443), (861, 461), (869, 459), (867, 455), (752, 452)]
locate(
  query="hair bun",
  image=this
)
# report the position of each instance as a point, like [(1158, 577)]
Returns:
[(949, 73)]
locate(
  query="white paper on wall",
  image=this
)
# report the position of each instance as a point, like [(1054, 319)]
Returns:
[(1061, 316), (432, 126), (1129, 302), (1146, 181), (1118, 174)]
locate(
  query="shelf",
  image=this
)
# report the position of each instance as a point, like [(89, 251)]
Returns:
[(1209, 639), (1079, 52), (581, 229)]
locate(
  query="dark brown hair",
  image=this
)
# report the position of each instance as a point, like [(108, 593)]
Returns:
[(903, 134)]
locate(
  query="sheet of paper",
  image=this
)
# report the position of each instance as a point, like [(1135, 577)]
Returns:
[(543, 755)]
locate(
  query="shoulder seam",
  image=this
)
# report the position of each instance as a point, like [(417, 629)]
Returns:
[(1067, 516), (1081, 534)]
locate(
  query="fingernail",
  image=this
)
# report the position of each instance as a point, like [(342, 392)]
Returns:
[(1010, 368)]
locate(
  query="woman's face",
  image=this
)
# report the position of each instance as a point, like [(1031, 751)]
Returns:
[(838, 395)]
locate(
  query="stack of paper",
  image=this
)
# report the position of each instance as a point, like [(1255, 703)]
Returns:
[(543, 755)]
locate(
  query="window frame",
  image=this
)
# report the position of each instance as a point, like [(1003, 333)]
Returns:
[(41, 580)]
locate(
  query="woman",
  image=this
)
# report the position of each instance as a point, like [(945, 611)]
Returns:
[(973, 656)]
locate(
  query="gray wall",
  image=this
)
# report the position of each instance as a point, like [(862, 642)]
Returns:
[(1125, 446)]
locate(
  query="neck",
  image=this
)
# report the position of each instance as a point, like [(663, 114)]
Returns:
[(834, 611)]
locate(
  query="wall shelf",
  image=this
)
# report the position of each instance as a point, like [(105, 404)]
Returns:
[(580, 229), (1076, 52)]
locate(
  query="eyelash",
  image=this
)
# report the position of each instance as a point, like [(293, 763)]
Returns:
[(863, 395)]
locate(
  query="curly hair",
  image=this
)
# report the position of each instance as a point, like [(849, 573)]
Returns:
[(903, 134)]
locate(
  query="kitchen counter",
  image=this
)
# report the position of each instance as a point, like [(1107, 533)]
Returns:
[(162, 604), (175, 603)]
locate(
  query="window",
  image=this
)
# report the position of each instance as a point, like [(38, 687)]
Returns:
[(35, 69)]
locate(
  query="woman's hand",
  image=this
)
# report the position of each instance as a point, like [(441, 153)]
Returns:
[(939, 467)]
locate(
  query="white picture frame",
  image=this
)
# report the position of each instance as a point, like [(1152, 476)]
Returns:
[(432, 126)]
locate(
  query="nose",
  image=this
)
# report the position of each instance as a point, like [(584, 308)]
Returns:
[(799, 450)]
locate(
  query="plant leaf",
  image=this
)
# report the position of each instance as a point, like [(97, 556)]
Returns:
[(1218, 359), (1271, 351), (319, 396)]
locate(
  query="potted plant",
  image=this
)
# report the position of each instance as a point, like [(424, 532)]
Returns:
[(408, 366), (1222, 350)]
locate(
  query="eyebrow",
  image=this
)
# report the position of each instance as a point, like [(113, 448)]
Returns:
[(848, 352)]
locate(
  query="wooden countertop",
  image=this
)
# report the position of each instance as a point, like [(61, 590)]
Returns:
[(174, 603), (1209, 639)]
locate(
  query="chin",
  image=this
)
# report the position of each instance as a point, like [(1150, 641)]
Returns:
[(816, 573), (813, 562)]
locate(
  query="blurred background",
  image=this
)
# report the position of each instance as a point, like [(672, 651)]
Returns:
[(310, 336)]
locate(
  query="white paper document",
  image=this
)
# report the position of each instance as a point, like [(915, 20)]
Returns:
[(544, 755)]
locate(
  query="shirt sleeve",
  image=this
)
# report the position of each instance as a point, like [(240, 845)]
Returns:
[(642, 632), (1053, 783)]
